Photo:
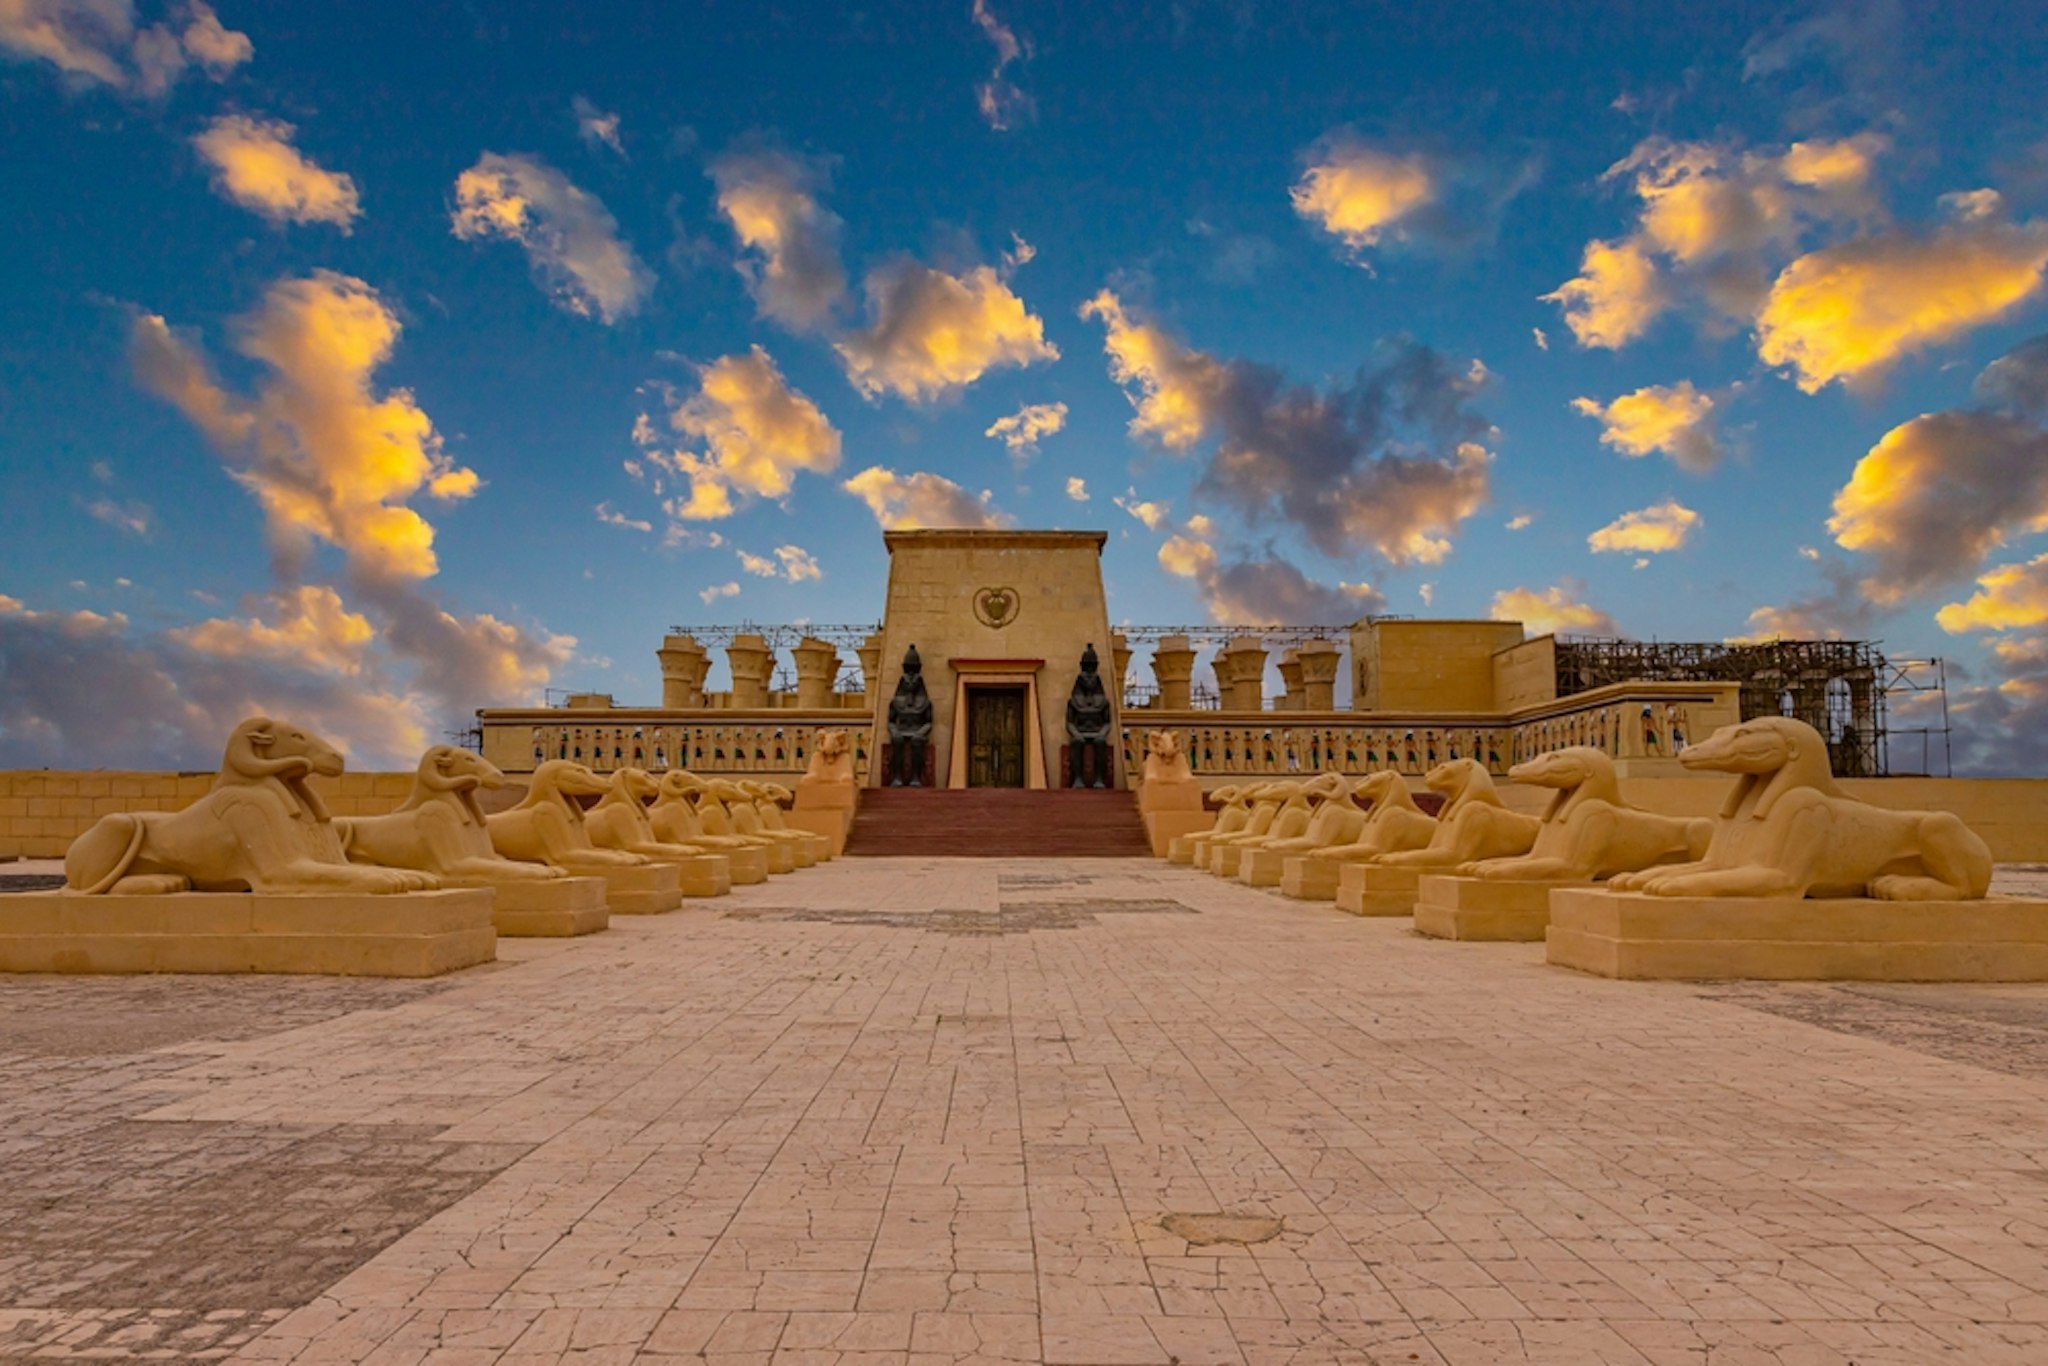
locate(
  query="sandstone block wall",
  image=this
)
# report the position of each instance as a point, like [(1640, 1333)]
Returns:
[(41, 811)]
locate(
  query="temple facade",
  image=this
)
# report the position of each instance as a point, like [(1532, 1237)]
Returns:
[(1001, 620)]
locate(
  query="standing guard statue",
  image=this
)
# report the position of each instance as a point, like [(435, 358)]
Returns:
[(910, 724), (1088, 724)]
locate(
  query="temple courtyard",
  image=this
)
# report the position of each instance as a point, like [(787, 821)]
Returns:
[(952, 1111)]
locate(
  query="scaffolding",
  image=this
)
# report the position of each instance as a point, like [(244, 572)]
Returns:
[(1845, 689)]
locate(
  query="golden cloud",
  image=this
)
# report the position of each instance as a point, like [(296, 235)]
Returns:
[(1676, 419), (1022, 430), (571, 240), (1551, 611), (1176, 384), (325, 455), (1357, 192), (1614, 298), (96, 40), (771, 199), (308, 626), (931, 334), (757, 435), (2010, 597), (1153, 515), (1849, 312), (1186, 557), (256, 165), (906, 502), (1648, 531), (791, 563)]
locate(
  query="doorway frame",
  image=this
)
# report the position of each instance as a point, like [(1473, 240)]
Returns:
[(996, 673)]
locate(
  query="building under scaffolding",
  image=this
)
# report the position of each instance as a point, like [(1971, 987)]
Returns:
[(1842, 688)]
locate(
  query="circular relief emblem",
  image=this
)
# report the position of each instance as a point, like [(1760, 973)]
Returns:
[(996, 607)]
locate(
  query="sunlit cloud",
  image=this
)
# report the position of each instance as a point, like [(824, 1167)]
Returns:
[(931, 334), (595, 126), (1003, 104), (98, 42), (571, 240), (1022, 430), (2008, 598), (790, 563), (1838, 611), (728, 589), (611, 516), (308, 625), (1357, 192), (1521, 521), (754, 434), (1614, 298), (1676, 419), (1077, 489), (1152, 514), (790, 241), (1176, 385), (1852, 311), (130, 517), (907, 502), (256, 166), (1652, 530), (1556, 610)]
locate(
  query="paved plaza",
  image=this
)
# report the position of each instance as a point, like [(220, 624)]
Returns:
[(938, 1111)]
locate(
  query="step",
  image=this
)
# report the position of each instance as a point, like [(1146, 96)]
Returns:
[(996, 823)]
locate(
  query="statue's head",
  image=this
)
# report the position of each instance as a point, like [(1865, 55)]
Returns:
[(1089, 663), (912, 665)]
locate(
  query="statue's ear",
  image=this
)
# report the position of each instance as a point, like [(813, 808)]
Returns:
[(445, 760)]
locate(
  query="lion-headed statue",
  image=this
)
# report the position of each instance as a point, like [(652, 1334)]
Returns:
[(261, 828), (1588, 832), (1786, 830)]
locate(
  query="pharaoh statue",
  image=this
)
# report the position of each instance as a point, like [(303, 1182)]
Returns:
[(1088, 725), (910, 724)]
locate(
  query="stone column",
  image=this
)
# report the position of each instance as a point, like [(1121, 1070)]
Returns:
[(1242, 674), (752, 663), (1119, 666), (683, 663), (817, 667), (1290, 676), (870, 653), (1173, 664), (1320, 660)]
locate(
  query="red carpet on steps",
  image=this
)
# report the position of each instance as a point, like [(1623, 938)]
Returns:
[(997, 822)]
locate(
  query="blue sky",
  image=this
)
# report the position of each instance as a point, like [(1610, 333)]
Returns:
[(817, 247)]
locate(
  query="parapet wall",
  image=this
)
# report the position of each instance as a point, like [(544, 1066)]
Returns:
[(42, 811)]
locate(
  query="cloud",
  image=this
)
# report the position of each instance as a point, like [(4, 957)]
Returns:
[(611, 516), (1003, 104), (1840, 611), (97, 41), (571, 240), (307, 626), (791, 241), (1521, 521), (1676, 419), (1022, 430), (2008, 598), (1391, 460), (1358, 193), (1711, 221), (1542, 338), (1553, 611), (757, 434), (1077, 489), (2018, 380), (931, 334), (596, 127), (789, 562), (1264, 590), (729, 589), (904, 502), (1647, 531), (131, 517), (1153, 515), (1850, 312), (256, 166), (326, 456)]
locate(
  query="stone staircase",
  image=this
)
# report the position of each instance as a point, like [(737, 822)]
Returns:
[(997, 822)]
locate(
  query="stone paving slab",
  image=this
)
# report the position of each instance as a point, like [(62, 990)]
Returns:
[(931, 1111)]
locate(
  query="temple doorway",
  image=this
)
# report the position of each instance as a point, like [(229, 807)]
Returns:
[(995, 737)]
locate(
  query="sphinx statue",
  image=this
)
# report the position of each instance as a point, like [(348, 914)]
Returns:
[(619, 820), (1233, 801), (1473, 825), (1393, 822), (723, 808), (768, 799), (547, 825), (1787, 830), (261, 828), (675, 820), (1088, 725), (439, 827), (910, 724), (1588, 832), (1272, 799), (1337, 821)]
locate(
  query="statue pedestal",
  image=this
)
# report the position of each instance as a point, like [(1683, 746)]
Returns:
[(1311, 877), (827, 822), (1224, 859), (344, 934), (1375, 889), (648, 889), (704, 875), (780, 855), (1181, 848), (1265, 867), (1851, 939), (1172, 810), (547, 910), (1478, 908)]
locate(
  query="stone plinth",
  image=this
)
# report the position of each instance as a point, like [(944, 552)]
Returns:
[(645, 889), (1311, 877), (1375, 889), (1477, 908), (822, 821), (1181, 848), (1320, 661), (1265, 867), (412, 934), (817, 669), (1173, 665), (1165, 829), (549, 910), (752, 662), (747, 863), (704, 875), (1241, 674), (1629, 934)]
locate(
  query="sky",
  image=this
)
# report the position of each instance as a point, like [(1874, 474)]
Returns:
[(369, 364)]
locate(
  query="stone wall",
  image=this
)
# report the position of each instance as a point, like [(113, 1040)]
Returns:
[(1437, 666), (42, 811)]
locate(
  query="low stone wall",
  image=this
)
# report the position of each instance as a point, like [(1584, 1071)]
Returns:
[(42, 811)]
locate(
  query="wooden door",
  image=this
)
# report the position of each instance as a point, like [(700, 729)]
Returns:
[(995, 737)]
